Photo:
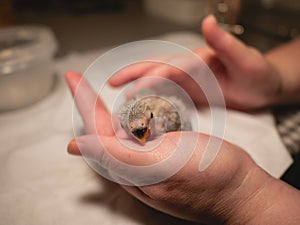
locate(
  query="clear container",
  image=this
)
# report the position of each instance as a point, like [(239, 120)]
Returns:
[(26, 65)]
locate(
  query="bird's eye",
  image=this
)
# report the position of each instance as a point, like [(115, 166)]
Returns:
[(142, 124)]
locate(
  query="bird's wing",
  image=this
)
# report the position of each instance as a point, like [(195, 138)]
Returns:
[(173, 111), (124, 113)]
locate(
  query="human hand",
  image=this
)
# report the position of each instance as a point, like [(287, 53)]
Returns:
[(247, 79), (223, 193)]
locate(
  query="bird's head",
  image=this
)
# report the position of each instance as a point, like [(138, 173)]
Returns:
[(140, 127)]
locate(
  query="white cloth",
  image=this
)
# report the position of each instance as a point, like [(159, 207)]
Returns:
[(41, 184)]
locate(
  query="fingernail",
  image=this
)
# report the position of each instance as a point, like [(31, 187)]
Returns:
[(212, 18), (74, 147)]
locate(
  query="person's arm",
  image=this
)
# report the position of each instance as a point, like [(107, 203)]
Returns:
[(286, 59), (232, 190), (274, 202)]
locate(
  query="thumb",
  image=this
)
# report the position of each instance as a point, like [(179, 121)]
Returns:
[(88, 146), (99, 158), (228, 48)]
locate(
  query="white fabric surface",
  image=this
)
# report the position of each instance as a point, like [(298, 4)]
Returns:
[(41, 184)]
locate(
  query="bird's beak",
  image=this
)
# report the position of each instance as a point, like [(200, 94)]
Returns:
[(145, 137), (142, 141)]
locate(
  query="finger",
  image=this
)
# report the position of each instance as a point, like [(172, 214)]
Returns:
[(127, 151), (154, 77), (209, 56), (114, 163), (73, 80), (131, 73), (91, 108), (158, 163), (117, 162), (142, 84), (73, 148), (228, 48)]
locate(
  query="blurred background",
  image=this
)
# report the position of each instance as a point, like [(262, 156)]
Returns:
[(83, 25)]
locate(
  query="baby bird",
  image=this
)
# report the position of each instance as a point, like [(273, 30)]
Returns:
[(152, 115)]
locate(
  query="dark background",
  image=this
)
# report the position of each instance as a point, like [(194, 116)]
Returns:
[(86, 24)]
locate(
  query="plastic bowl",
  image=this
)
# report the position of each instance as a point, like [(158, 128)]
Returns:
[(26, 65)]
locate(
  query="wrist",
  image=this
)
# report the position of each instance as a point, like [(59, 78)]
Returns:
[(282, 89), (283, 62), (262, 199), (281, 205)]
